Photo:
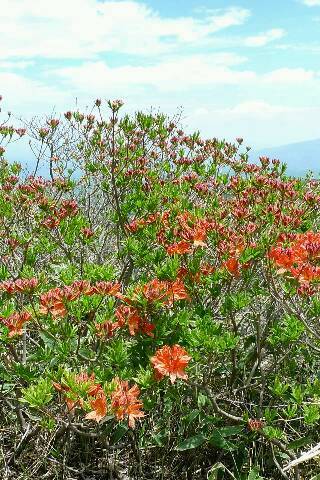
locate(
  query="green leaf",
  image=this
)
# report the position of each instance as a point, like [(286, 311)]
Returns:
[(254, 475), (231, 430), (192, 442), (119, 432), (215, 470), (38, 394), (279, 387), (202, 400), (311, 414), (188, 419), (217, 439), (301, 442), (47, 339), (298, 393), (273, 432)]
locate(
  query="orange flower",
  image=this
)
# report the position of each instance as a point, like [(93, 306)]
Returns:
[(255, 424), (305, 273), (148, 328), (176, 291), (232, 265), (106, 328), (155, 290), (180, 248), (8, 286), (168, 292), (199, 236), (87, 232), (99, 408), (50, 223), (182, 272), (15, 322), (52, 302), (207, 269), (106, 288), (135, 321), (129, 315), (134, 225), (300, 259), (170, 361), (124, 401), (286, 257), (81, 287), (71, 398), (73, 403), (19, 285)]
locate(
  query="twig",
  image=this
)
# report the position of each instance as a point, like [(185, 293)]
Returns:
[(312, 453), (215, 405)]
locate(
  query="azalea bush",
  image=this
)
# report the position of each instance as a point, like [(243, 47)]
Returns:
[(159, 304)]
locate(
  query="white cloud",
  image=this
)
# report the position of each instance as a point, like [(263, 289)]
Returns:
[(256, 108), (15, 65), (32, 97), (264, 38), (176, 74), (83, 38), (311, 3), (290, 76), (260, 123), (200, 82), (82, 28)]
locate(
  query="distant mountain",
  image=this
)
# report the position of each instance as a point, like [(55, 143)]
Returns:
[(300, 157)]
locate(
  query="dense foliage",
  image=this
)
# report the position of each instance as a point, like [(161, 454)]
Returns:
[(159, 305)]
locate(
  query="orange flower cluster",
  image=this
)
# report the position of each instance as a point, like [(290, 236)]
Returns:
[(73, 400), (300, 259), (170, 361), (232, 265), (205, 269), (99, 407), (179, 248), (87, 232), (15, 322), (107, 288), (18, 286), (193, 233), (254, 424), (138, 223), (130, 314), (124, 400), (68, 208), (164, 291), (50, 223), (34, 184), (234, 246), (53, 301), (136, 322)]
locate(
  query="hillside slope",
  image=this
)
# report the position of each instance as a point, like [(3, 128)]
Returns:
[(300, 157)]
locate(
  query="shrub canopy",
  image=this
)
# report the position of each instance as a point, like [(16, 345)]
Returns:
[(159, 304)]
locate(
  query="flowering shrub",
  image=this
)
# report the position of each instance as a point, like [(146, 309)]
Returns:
[(159, 296)]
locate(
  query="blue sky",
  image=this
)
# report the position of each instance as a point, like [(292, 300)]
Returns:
[(237, 68)]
